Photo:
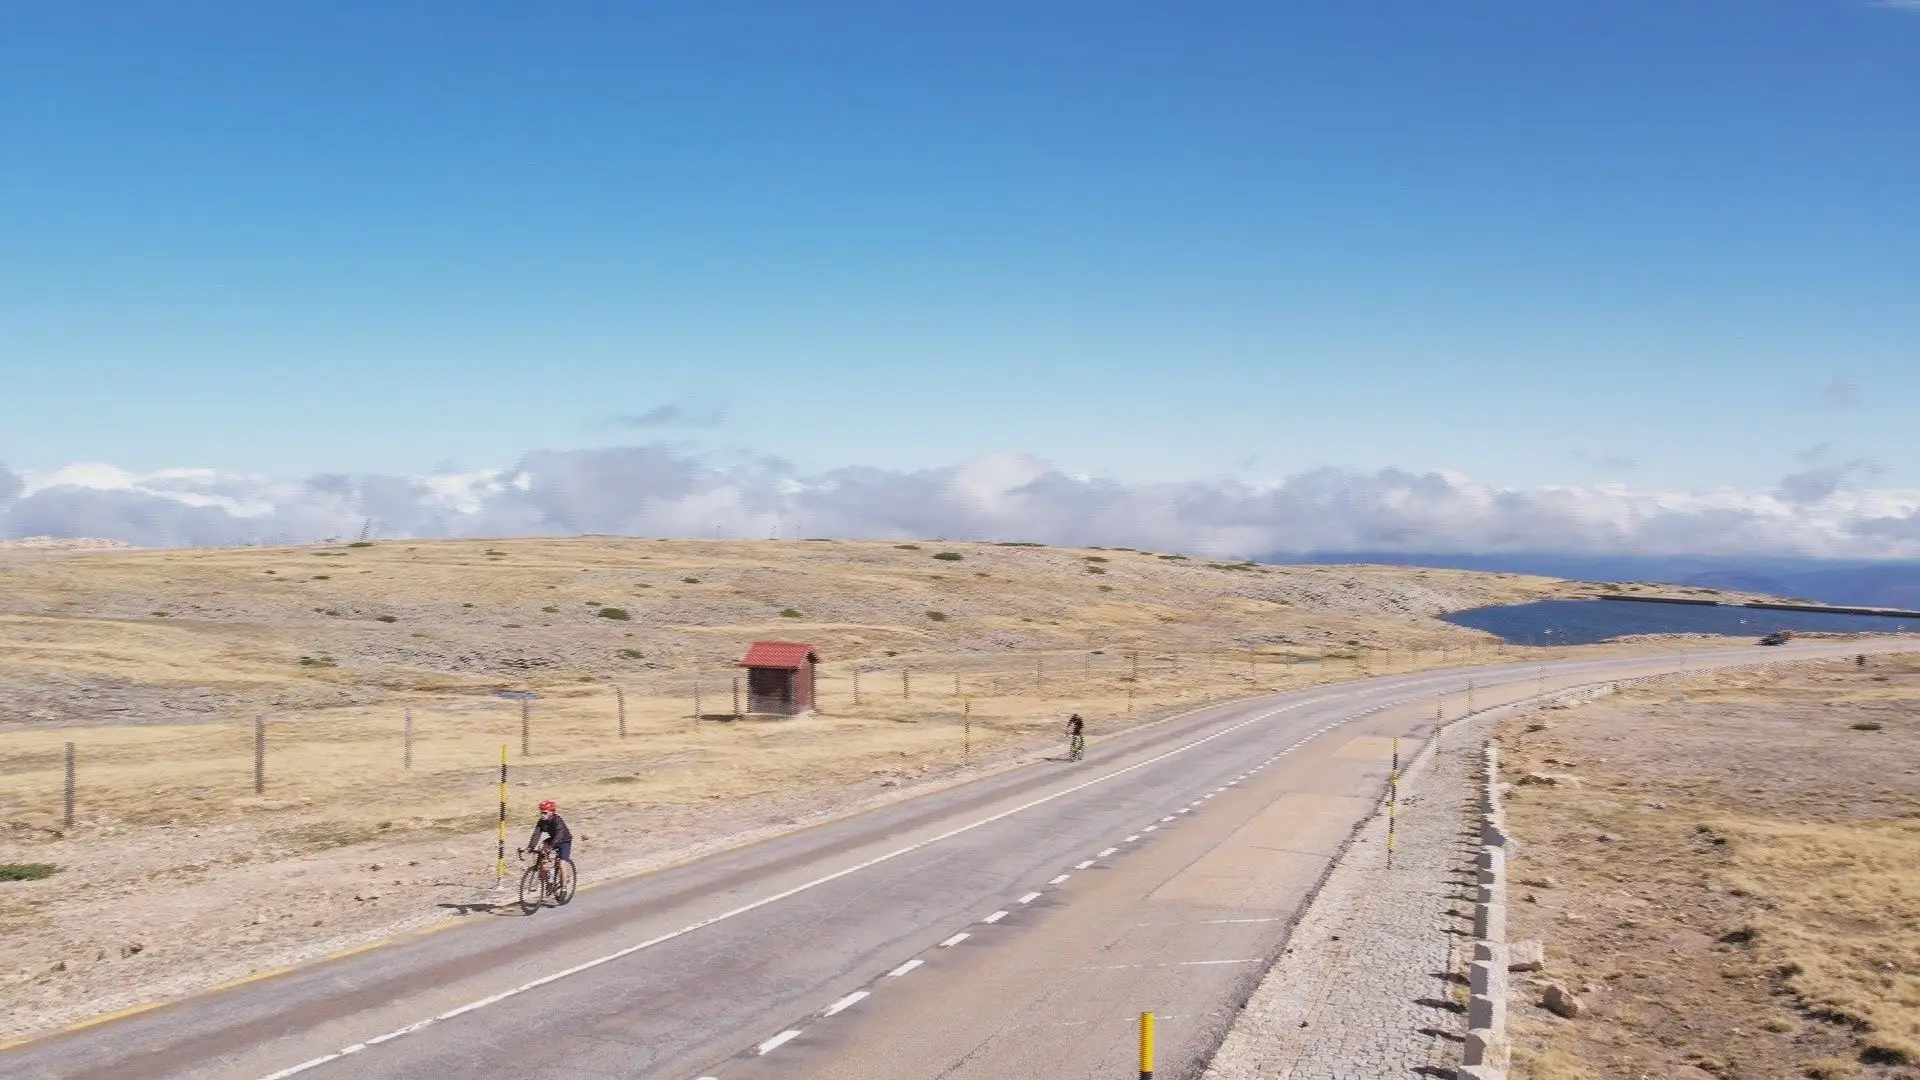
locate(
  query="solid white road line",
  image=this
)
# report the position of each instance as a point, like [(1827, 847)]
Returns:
[(844, 1003)]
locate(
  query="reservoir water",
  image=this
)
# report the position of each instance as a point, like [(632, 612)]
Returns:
[(1583, 622)]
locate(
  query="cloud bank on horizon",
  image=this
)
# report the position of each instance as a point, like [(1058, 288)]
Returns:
[(659, 490)]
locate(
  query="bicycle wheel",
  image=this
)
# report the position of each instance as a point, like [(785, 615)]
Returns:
[(564, 891), (530, 898)]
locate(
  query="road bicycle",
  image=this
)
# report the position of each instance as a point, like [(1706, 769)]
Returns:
[(550, 877), (1076, 747)]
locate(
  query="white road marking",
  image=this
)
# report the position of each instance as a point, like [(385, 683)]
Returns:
[(775, 1043), (1131, 839), (1106, 853), (1169, 817), (1196, 963), (1059, 879), (955, 940), (1029, 898), (588, 965), (904, 968), (844, 1003), (995, 917), (1151, 828), (1328, 698)]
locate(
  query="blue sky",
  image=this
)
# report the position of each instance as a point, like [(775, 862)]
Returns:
[(1530, 242)]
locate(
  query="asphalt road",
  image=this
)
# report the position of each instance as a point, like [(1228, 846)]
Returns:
[(1014, 926)]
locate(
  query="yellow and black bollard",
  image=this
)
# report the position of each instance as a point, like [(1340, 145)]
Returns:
[(500, 857), (1146, 1046)]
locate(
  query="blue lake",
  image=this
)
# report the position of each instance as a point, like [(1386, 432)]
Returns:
[(1583, 622)]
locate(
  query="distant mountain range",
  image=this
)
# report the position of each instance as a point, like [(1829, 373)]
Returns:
[(1863, 583)]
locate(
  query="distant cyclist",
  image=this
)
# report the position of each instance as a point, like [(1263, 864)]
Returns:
[(1076, 738), (554, 828)]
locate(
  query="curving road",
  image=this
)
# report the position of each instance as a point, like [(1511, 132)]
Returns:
[(1013, 926)]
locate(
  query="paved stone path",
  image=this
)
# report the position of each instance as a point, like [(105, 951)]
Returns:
[(1372, 984)]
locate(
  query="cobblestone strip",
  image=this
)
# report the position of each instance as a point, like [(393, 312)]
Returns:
[(1371, 984)]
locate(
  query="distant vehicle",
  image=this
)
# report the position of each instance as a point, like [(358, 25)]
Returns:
[(1778, 637)]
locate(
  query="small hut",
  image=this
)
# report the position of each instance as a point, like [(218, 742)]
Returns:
[(780, 677)]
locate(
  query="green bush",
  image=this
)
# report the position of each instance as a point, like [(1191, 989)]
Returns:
[(385, 618), (28, 871), (323, 577), (908, 547), (1096, 569), (691, 580), (937, 616), (1096, 558), (948, 556), (361, 543), (1867, 725), (792, 613), (618, 614), (551, 610), (632, 654)]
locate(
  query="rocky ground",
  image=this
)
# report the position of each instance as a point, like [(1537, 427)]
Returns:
[(1726, 877)]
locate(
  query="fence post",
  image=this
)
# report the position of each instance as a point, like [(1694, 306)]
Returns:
[(736, 697), (620, 705), (526, 727), (856, 684), (1393, 799), (1129, 701), (67, 818), (259, 755), (406, 741), (956, 684), (1039, 674), (906, 686), (966, 724)]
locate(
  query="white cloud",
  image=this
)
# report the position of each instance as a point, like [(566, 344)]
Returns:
[(660, 491)]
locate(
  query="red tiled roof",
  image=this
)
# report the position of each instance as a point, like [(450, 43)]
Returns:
[(777, 654)]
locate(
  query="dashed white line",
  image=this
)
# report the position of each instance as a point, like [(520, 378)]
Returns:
[(995, 917), (1083, 865), (955, 940), (777, 1041), (1151, 828), (1106, 853), (1131, 839), (1059, 879), (494, 999), (1169, 817), (844, 1003), (1029, 898), (904, 968)]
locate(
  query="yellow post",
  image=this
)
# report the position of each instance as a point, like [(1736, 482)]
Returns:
[(1146, 1046), (966, 722), (500, 857)]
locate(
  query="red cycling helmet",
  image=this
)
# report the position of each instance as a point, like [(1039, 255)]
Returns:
[(549, 806)]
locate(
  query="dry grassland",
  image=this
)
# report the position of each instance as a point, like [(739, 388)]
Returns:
[(155, 665), (1728, 873)]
